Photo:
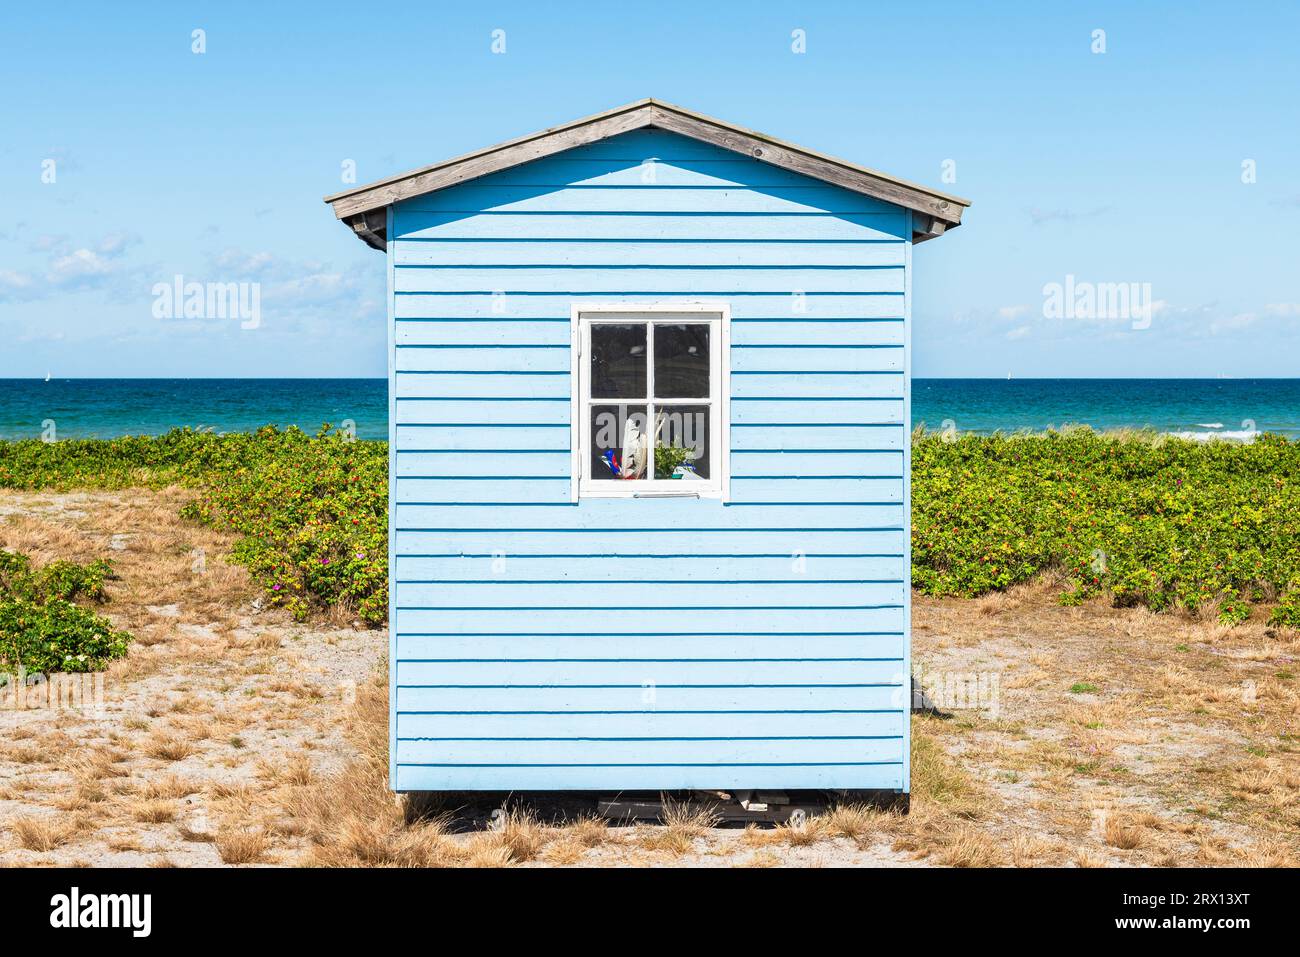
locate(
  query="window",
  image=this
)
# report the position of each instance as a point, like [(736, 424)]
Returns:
[(649, 407)]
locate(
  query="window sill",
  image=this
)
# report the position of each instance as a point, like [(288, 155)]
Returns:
[(712, 492)]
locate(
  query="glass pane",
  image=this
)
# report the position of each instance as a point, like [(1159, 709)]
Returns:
[(618, 361), (682, 361), (619, 447), (682, 446)]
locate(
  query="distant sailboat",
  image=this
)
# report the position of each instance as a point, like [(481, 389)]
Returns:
[(1008, 375), (47, 375)]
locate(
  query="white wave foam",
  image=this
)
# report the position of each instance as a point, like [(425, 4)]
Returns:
[(1243, 435)]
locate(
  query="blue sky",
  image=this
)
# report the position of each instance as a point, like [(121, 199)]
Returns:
[(1123, 166)]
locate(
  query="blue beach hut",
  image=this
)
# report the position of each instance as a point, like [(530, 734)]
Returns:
[(649, 495)]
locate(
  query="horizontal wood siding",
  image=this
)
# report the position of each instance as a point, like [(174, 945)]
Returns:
[(540, 644)]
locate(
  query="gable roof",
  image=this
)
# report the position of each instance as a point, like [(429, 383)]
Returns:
[(362, 207)]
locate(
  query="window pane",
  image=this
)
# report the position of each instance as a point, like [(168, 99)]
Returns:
[(618, 361), (619, 447), (682, 438), (682, 361)]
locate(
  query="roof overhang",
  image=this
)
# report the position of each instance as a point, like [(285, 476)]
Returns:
[(363, 207)]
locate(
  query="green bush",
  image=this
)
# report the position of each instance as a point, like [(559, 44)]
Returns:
[(314, 521), (41, 629), (311, 512), (1141, 519), (1144, 519)]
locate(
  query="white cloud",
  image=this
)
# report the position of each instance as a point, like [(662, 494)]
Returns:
[(9, 279), (1233, 324), (1019, 332), (78, 265), (115, 244), (1013, 312)]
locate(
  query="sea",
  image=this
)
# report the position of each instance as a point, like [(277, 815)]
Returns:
[(105, 408)]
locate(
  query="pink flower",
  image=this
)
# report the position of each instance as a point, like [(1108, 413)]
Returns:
[(275, 588)]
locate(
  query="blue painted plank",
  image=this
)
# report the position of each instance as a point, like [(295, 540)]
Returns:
[(816, 385), (482, 437), (649, 620), (648, 280), (566, 567), (474, 198), (484, 227), (795, 464), (611, 515), (485, 489), (638, 699), (636, 673), (483, 332), (617, 646), (790, 438), (493, 385), (675, 541), (815, 411), (682, 254), (651, 751), (453, 359), (659, 778), (816, 359), (813, 490), (483, 464), (614, 595), (481, 412), (557, 303), (651, 725), (815, 332)]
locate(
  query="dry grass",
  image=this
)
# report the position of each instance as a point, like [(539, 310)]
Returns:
[(44, 832), (241, 846), (169, 748), (683, 824), (154, 812), (167, 788)]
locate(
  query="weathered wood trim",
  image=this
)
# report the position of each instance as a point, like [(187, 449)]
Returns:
[(371, 227), (939, 208), (807, 163), (492, 160), (926, 227)]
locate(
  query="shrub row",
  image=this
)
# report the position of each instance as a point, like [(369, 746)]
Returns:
[(1140, 518), (1145, 519)]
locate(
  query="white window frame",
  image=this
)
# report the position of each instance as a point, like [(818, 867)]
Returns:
[(718, 316)]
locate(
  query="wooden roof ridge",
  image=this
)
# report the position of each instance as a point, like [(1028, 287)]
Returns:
[(362, 207)]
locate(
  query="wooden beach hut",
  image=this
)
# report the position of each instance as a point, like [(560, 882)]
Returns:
[(649, 495)]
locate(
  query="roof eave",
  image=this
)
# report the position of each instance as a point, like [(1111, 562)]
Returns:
[(937, 212)]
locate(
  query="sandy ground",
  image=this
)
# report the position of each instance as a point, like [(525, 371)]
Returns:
[(230, 735)]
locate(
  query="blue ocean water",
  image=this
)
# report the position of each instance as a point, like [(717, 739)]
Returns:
[(1196, 407), (104, 408), (82, 408)]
